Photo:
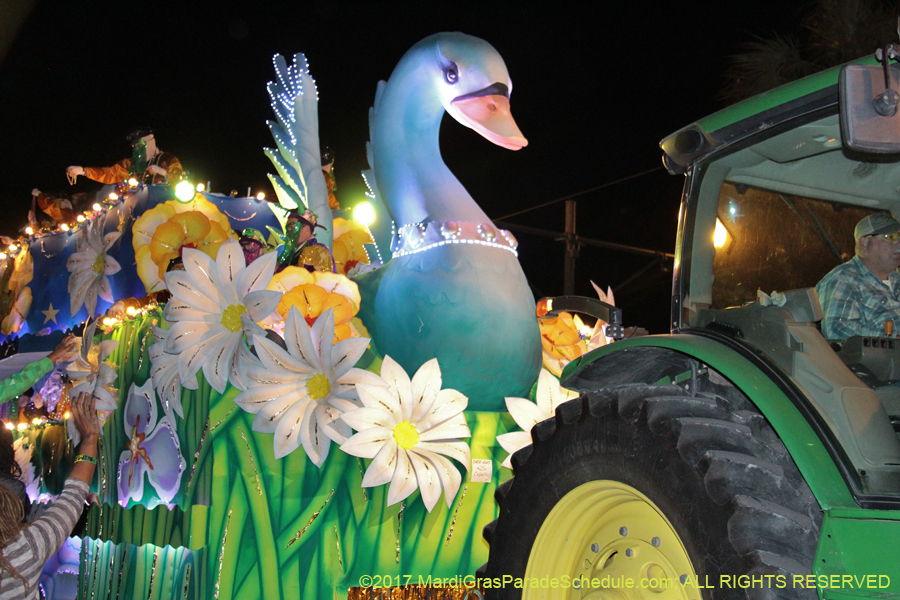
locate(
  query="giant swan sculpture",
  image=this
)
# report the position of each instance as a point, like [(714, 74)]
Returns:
[(454, 288)]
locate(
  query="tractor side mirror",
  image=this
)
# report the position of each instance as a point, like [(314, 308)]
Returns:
[(870, 121)]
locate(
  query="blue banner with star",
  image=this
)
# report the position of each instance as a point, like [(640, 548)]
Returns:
[(50, 305)]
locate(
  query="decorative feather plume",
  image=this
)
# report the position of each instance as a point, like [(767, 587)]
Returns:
[(299, 181), (381, 230)]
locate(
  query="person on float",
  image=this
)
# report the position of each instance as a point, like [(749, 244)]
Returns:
[(14, 385), (25, 548), (328, 171), (862, 296), (148, 163), (300, 245)]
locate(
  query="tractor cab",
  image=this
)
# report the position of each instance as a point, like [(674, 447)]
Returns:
[(769, 209), (744, 446)]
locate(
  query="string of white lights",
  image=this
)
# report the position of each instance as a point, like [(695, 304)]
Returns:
[(445, 242), (418, 237)]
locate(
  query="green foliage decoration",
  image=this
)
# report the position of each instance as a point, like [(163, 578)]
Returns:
[(245, 525)]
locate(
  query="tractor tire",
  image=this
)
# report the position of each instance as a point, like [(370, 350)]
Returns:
[(693, 495)]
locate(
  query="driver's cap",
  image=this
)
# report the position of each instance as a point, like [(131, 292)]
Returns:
[(875, 225)]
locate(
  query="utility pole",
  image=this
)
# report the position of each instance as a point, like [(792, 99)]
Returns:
[(571, 250)]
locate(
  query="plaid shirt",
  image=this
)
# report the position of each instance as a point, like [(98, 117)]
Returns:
[(855, 302)]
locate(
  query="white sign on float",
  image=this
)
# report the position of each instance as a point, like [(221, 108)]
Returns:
[(482, 470)]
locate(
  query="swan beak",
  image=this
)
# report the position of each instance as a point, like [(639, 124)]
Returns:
[(487, 112)]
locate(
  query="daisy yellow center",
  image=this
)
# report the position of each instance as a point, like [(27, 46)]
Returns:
[(99, 264), (318, 386), (231, 317), (405, 435)]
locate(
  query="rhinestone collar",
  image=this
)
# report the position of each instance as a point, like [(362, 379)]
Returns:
[(419, 237)]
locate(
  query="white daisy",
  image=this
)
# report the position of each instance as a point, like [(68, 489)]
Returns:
[(215, 304), (90, 267), (95, 376), (165, 376), (527, 414), (406, 428), (299, 393)]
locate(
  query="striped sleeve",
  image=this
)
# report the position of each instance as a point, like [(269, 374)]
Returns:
[(50, 530), (29, 551)]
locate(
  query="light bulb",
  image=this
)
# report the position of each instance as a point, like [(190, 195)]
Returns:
[(364, 213), (184, 191), (721, 235)]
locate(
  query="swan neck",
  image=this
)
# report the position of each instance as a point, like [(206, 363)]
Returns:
[(412, 178)]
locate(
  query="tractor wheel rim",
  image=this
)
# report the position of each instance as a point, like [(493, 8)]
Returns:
[(601, 536)]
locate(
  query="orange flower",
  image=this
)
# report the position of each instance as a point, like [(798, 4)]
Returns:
[(162, 232), (560, 341), (314, 293), (349, 237)]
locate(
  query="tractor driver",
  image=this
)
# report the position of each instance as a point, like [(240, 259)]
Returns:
[(862, 296)]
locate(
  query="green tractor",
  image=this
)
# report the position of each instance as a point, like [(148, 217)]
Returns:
[(744, 455)]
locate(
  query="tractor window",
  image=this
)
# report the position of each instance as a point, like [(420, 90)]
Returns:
[(772, 241), (768, 220)]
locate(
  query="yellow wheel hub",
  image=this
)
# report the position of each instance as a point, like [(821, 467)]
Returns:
[(607, 541)]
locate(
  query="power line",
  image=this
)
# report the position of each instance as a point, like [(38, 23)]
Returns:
[(560, 236), (575, 195)]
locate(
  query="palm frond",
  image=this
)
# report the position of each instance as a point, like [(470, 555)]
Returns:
[(835, 32), (763, 65)]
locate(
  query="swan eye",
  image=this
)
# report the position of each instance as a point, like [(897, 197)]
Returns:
[(451, 74)]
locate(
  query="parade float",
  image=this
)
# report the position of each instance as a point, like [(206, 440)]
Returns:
[(290, 416), (282, 421)]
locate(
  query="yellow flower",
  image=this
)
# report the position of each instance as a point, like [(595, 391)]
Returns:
[(18, 293), (162, 232), (190, 229), (24, 270), (349, 237), (315, 293), (560, 341)]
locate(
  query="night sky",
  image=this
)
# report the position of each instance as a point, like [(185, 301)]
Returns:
[(595, 87)]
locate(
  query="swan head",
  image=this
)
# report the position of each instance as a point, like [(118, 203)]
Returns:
[(474, 86)]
